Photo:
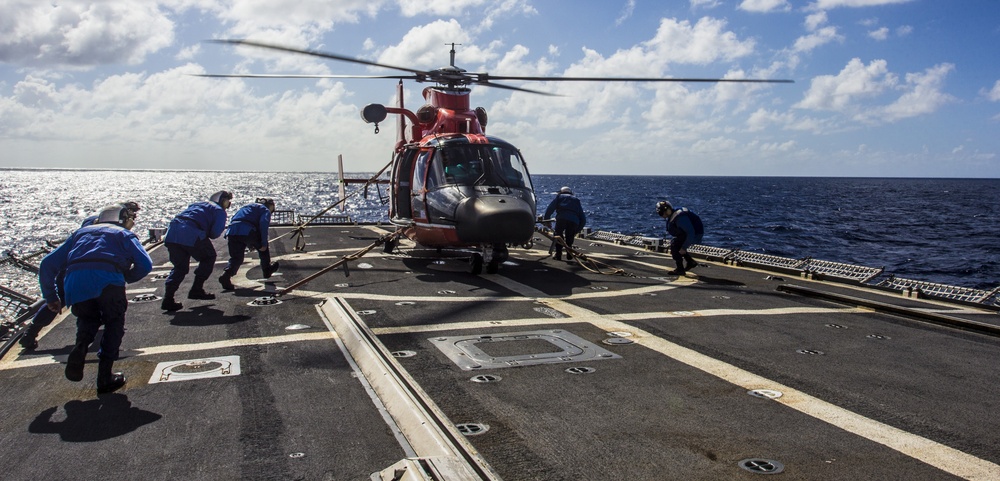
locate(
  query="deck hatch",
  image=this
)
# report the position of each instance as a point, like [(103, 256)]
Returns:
[(514, 349)]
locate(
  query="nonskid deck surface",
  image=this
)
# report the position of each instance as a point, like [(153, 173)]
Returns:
[(552, 371)]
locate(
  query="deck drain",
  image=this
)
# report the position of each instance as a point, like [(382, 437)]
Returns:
[(366, 312), (765, 393), (445, 292), (515, 349), (581, 370), (144, 298), (472, 429), (762, 466), (485, 378), (406, 303), (836, 326), (365, 265), (297, 327), (297, 455), (404, 353), (877, 336), (264, 301), (812, 352), (617, 341)]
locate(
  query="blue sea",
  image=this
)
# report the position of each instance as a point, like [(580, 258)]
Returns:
[(935, 230)]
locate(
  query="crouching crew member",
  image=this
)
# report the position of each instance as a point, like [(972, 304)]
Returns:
[(686, 228), (570, 219), (249, 228), (98, 260), (190, 235), (44, 316)]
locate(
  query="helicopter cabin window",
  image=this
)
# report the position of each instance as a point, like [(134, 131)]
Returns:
[(510, 168), (457, 165)]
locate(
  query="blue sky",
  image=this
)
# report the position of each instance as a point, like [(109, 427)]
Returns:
[(887, 88)]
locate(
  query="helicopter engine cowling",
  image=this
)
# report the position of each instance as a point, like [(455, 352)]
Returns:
[(494, 219)]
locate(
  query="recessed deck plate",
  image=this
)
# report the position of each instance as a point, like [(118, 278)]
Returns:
[(474, 352), (172, 371)]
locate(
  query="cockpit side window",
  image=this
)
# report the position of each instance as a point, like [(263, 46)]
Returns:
[(509, 167)]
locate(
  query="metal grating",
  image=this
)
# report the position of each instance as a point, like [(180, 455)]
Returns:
[(326, 219), (283, 217), (966, 294), (632, 240), (711, 252), (745, 257), (844, 271)]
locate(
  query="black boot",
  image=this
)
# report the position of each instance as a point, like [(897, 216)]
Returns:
[(198, 291), (691, 263), (226, 281), (28, 340), (74, 364), (169, 304), (108, 381), (269, 270), (679, 271)]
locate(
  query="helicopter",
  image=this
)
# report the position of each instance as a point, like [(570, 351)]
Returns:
[(452, 185)]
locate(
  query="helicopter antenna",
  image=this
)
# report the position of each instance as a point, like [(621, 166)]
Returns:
[(453, 52)]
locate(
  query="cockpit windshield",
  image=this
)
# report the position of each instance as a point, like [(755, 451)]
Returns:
[(478, 164)]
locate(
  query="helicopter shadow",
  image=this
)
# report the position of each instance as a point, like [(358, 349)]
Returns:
[(108, 416), (204, 316)]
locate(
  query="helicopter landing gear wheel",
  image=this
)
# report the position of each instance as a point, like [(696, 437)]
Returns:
[(476, 264)]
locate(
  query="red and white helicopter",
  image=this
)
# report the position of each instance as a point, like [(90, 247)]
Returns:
[(451, 185)]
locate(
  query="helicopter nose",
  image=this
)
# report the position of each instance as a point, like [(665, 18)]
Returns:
[(494, 219)]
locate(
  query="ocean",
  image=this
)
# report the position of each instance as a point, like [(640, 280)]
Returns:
[(935, 230)]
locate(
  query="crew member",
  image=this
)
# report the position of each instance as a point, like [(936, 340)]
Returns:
[(686, 228), (44, 316), (190, 235), (570, 219), (249, 228), (98, 260)]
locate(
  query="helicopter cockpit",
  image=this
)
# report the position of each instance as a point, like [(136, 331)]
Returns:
[(478, 165)]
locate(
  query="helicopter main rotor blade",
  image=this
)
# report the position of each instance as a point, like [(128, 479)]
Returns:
[(636, 79), (319, 76), (509, 87), (317, 53)]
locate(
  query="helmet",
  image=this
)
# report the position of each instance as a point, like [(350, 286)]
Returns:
[(221, 196), (566, 190), (662, 207), (268, 202), (114, 214), (131, 206)]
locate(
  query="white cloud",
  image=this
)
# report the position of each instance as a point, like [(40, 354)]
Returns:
[(626, 12), (82, 35), (993, 94), (814, 20), (879, 34), (904, 30), (703, 43), (764, 6), (922, 96), (842, 91), (449, 8), (816, 39)]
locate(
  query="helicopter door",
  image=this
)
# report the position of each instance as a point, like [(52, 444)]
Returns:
[(418, 203), (400, 207)]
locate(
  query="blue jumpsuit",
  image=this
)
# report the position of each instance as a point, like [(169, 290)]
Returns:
[(249, 228), (570, 219), (98, 260), (190, 235), (686, 228)]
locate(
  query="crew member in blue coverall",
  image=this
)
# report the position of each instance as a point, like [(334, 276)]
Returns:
[(570, 219), (249, 228), (98, 260), (190, 235), (44, 316), (686, 228)]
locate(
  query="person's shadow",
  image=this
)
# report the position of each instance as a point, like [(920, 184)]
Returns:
[(108, 416)]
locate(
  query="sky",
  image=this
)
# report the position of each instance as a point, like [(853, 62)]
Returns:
[(882, 88)]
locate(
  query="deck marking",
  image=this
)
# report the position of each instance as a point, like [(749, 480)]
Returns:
[(918, 447), (170, 349)]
